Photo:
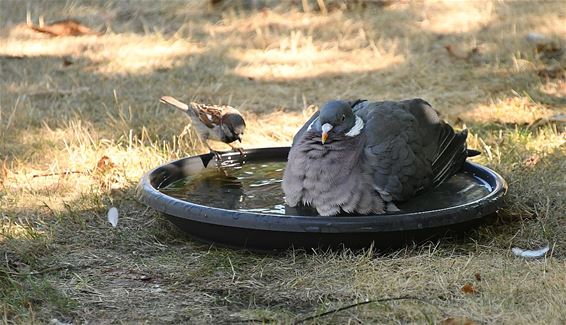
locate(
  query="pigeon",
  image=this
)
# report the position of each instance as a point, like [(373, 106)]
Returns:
[(219, 123), (360, 157)]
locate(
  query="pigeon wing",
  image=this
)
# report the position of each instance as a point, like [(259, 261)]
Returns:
[(404, 147), (304, 129)]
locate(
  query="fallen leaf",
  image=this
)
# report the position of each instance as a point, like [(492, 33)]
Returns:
[(478, 276), (113, 216), (531, 161), (530, 253), (67, 27), (104, 164), (473, 55), (468, 288), (455, 53), (67, 62), (457, 321)]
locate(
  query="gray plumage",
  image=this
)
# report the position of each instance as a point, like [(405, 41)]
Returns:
[(402, 149)]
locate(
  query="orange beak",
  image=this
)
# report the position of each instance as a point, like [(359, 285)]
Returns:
[(325, 129), (324, 137)]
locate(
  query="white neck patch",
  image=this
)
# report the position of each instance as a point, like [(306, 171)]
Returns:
[(357, 128), (312, 123)]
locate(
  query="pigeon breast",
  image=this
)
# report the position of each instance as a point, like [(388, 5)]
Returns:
[(330, 177)]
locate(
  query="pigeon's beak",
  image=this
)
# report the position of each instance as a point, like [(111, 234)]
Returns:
[(325, 129), (239, 138)]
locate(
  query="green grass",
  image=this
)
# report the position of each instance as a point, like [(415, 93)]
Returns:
[(61, 259)]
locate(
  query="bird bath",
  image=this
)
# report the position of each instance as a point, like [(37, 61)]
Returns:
[(241, 204)]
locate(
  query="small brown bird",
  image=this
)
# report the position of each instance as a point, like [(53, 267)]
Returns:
[(213, 122)]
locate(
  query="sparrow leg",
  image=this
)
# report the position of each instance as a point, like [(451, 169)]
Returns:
[(239, 149), (216, 153)]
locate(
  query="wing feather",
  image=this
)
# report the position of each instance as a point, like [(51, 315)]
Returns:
[(409, 148)]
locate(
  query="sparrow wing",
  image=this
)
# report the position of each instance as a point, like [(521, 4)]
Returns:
[(208, 115), (211, 116)]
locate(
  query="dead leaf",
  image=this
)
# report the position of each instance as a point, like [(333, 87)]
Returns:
[(457, 321), (478, 276), (456, 53), (531, 161), (67, 62), (469, 289), (474, 55), (104, 164), (67, 27)]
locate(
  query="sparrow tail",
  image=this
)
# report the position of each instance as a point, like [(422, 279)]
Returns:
[(175, 103)]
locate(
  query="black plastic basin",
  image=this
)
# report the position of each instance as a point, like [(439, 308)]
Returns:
[(266, 231)]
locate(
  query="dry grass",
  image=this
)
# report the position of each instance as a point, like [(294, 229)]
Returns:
[(61, 259)]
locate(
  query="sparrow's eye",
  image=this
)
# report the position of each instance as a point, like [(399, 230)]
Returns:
[(343, 117)]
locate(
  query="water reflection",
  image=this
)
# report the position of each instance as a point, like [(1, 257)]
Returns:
[(256, 187)]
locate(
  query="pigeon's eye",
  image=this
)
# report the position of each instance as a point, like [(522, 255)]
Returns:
[(343, 117)]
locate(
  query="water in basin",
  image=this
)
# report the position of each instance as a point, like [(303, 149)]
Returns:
[(256, 187)]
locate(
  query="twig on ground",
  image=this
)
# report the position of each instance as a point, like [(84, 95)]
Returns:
[(62, 173), (333, 311)]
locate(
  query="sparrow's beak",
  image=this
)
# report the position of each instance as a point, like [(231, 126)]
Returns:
[(325, 129), (239, 138)]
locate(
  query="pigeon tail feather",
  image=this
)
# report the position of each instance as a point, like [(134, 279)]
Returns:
[(451, 155), (473, 152)]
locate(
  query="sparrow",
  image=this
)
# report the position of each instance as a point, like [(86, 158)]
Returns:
[(360, 157), (213, 122)]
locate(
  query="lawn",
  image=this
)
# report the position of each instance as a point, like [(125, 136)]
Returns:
[(80, 122)]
